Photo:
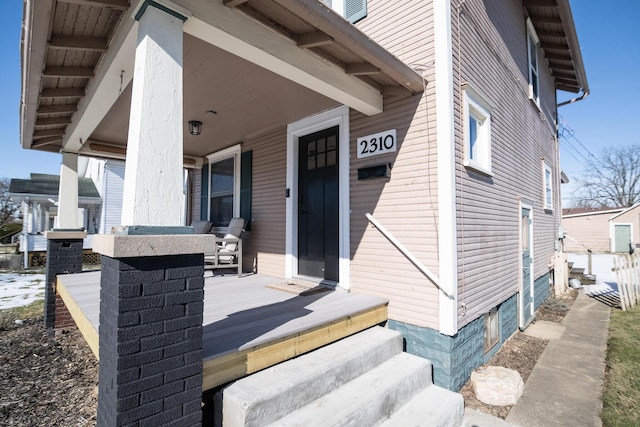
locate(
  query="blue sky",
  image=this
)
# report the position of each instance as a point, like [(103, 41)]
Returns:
[(608, 33)]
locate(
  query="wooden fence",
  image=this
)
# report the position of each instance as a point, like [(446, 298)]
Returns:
[(627, 269)]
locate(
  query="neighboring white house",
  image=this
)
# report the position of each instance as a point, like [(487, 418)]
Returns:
[(100, 186)]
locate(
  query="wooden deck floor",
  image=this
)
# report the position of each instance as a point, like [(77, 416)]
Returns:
[(247, 325)]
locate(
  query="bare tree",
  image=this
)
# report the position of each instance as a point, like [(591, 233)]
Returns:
[(8, 207), (613, 180)]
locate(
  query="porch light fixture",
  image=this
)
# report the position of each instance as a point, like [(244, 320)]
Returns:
[(195, 127)]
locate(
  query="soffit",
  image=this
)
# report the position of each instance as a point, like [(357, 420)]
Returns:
[(553, 22), (65, 40)]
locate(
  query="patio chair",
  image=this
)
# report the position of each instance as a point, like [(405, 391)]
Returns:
[(227, 250)]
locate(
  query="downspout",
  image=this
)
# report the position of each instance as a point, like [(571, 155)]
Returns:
[(585, 93)]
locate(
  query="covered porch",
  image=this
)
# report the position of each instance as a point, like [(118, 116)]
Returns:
[(250, 323)]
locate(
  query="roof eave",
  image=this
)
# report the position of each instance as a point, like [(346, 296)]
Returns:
[(33, 45), (564, 9)]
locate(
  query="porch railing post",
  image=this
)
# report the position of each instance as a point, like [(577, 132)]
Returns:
[(64, 255)]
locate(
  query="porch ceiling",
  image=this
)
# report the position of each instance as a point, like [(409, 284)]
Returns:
[(554, 25), (70, 47)]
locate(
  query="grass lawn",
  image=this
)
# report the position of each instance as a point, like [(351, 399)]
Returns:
[(621, 396), (10, 315)]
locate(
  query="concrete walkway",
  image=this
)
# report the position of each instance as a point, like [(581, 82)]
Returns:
[(565, 387)]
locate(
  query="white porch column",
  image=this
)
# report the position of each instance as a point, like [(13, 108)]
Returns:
[(153, 175), (68, 218)]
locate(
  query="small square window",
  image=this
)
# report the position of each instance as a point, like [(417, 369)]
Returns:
[(491, 329), (477, 120), (548, 186)]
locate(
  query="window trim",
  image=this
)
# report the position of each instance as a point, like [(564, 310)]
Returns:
[(234, 152), (476, 107), (533, 71), (548, 204)]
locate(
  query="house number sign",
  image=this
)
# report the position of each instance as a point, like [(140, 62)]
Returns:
[(378, 143)]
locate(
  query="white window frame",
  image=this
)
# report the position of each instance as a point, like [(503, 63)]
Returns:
[(234, 152), (547, 186), (533, 61), (475, 107)]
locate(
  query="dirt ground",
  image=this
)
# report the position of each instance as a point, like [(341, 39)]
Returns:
[(521, 352), (45, 381), (52, 381)]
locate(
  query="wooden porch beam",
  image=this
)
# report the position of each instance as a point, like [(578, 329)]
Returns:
[(400, 91), (540, 3), (349, 36), (537, 19), (317, 38), (546, 33), (240, 34), (55, 121), (233, 3), (113, 4), (62, 92), (102, 91), (362, 69), (46, 141), (79, 43), (570, 74), (97, 146), (54, 109), (558, 56), (554, 46), (48, 132), (76, 72), (555, 66)]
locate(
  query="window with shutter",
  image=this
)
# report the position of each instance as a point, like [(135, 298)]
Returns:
[(355, 10), (204, 194)]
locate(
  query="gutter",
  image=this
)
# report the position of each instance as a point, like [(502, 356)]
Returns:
[(571, 101), (564, 9)]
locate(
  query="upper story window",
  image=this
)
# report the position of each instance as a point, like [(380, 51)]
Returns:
[(532, 53), (477, 133), (351, 10), (548, 186)]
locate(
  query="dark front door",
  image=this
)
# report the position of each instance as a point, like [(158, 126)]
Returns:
[(318, 216)]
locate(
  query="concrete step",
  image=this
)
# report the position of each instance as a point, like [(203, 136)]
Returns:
[(271, 394), (433, 407), (367, 399)]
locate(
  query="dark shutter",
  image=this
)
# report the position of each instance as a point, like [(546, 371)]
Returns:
[(246, 162), (355, 10), (204, 193)]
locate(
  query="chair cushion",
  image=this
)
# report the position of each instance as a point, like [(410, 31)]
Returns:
[(201, 227), (236, 225)]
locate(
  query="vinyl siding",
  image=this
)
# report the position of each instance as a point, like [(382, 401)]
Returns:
[(405, 203), (265, 245), (490, 56), (112, 196), (586, 232)]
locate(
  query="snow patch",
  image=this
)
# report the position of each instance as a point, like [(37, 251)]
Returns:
[(18, 290)]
